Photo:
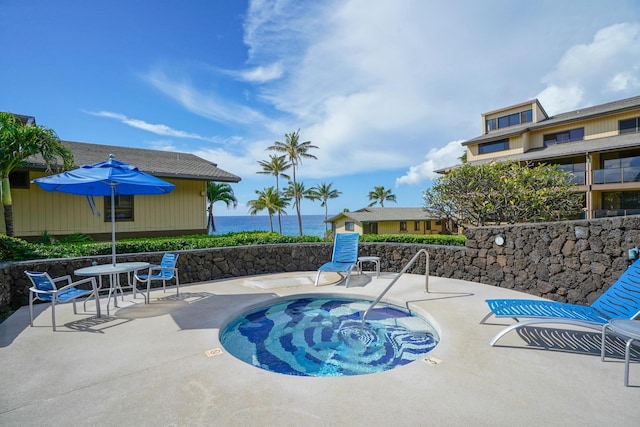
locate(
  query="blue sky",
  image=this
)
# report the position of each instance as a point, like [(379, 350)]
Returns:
[(386, 89)]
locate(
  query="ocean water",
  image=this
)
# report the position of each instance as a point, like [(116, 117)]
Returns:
[(312, 225)]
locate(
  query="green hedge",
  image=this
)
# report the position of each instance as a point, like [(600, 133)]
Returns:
[(12, 249), (429, 239)]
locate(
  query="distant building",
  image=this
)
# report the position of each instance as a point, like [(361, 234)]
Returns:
[(183, 211), (599, 145), (386, 221)]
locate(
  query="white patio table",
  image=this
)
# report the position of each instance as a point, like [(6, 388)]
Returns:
[(113, 271)]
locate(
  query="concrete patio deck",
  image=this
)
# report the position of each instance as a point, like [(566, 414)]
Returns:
[(160, 365)]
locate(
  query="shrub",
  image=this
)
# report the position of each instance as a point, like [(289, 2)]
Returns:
[(423, 239), (12, 249)]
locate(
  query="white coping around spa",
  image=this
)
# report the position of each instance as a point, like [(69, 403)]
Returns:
[(162, 364)]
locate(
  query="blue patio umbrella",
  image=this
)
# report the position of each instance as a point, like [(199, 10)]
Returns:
[(110, 178)]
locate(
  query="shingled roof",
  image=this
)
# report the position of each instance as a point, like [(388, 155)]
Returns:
[(385, 214), (159, 163), (562, 118)]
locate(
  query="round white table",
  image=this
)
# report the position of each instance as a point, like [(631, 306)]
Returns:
[(373, 259), (627, 329), (113, 271)]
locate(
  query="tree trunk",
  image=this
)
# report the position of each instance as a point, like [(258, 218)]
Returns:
[(299, 218), (211, 225), (8, 206), (8, 219)]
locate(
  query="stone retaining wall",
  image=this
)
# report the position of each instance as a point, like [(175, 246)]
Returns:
[(570, 261)]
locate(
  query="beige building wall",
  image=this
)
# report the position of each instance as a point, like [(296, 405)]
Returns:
[(393, 227), (36, 210), (341, 226), (593, 129), (520, 144)]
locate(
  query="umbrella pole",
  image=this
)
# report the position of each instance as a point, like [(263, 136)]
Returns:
[(113, 224)]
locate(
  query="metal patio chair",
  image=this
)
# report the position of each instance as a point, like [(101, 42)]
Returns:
[(45, 289)]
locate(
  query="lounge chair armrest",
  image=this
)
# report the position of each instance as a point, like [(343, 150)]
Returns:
[(61, 278), (94, 285), (160, 268), (40, 291)]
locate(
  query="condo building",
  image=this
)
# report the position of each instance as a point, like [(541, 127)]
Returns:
[(598, 145)]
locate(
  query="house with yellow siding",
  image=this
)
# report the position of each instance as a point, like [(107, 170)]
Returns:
[(386, 221), (598, 145), (183, 211)]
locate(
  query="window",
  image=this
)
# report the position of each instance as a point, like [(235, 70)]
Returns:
[(509, 120), (565, 136), (416, 225), (403, 225), (492, 147), (348, 226), (19, 179), (629, 125), (628, 201), (124, 208), (427, 225)]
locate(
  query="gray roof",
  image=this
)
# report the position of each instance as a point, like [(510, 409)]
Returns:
[(616, 142), (155, 162), (385, 214), (563, 118)]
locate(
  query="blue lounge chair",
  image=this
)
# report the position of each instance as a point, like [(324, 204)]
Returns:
[(620, 301), (344, 258)]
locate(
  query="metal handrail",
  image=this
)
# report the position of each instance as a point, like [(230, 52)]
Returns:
[(395, 279)]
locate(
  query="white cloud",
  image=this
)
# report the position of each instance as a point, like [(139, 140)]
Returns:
[(158, 129), (557, 99), (376, 85), (605, 66), (204, 104), (436, 158), (625, 80), (263, 74)]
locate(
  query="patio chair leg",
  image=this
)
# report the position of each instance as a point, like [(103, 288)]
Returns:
[(627, 355), (31, 308), (602, 344), (53, 313), (148, 291)]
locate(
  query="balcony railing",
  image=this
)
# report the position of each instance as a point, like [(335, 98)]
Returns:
[(602, 213), (616, 175), (577, 178)]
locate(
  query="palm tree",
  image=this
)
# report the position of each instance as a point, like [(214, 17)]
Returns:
[(276, 165), (218, 192), (324, 192), (268, 199), (296, 192), (19, 141), (379, 195), (295, 152)]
